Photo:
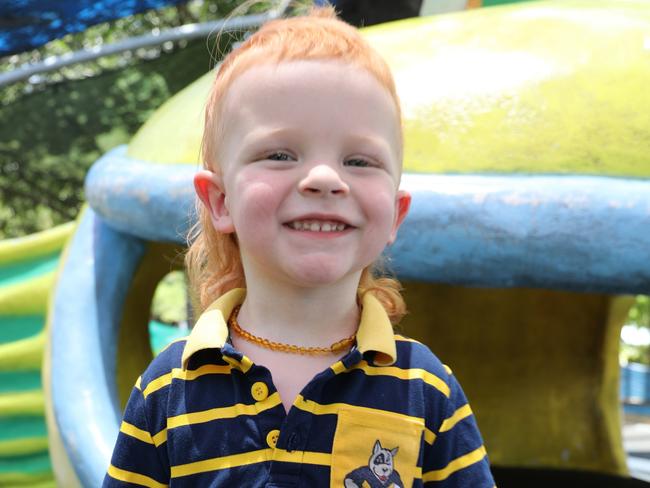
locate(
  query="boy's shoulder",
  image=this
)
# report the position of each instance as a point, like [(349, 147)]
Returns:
[(165, 362), (412, 354)]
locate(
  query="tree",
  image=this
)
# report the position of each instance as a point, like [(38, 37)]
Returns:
[(55, 125), (640, 312)]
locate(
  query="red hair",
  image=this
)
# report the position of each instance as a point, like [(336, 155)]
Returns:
[(213, 260)]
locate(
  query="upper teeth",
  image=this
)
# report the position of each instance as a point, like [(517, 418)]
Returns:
[(317, 226)]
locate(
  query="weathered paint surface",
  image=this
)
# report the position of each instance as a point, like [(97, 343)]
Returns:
[(151, 201), (173, 133), (540, 368), (84, 324), (575, 233), (535, 87), (538, 87)]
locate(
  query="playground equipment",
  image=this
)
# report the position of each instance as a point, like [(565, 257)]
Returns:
[(27, 269), (27, 276), (527, 154)]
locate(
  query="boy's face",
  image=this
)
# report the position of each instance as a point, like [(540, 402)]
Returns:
[(310, 172)]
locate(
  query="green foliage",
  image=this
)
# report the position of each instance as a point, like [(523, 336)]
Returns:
[(170, 302), (640, 312), (53, 127), (634, 354), (152, 21), (50, 138), (639, 316)]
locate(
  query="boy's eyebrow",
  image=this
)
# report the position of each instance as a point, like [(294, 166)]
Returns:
[(378, 142), (264, 139), (259, 136)]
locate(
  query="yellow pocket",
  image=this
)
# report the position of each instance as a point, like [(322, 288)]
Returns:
[(375, 449)]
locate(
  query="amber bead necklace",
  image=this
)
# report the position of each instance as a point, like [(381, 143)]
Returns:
[(338, 346)]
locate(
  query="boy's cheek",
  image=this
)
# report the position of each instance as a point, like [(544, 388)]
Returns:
[(256, 205)]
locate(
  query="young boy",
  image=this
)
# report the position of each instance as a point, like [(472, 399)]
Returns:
[(298, 380)]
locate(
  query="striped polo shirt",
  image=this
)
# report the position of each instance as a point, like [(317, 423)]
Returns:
[(388, 414)]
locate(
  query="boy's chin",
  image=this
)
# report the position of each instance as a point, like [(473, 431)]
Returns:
[(324, 276)]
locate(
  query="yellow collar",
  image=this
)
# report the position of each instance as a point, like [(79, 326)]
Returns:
[(211, 330)]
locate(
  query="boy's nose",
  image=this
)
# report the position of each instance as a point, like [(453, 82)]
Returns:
[(323, 180)]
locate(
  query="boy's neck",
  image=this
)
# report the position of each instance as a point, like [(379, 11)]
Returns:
[(315, 316)]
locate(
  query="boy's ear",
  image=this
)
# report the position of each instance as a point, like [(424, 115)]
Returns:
[(209, 188), (402, 205)]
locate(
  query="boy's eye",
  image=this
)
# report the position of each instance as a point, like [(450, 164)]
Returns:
[(279, 156), (358, 162)]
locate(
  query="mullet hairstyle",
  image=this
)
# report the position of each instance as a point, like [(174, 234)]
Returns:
[(213, 260)]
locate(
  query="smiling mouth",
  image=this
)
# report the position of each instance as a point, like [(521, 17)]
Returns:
[(318, 225)]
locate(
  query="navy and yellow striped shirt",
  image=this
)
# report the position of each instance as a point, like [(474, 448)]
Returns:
[(387, 414)]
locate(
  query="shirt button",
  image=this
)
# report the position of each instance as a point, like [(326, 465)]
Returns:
[(260, 391), (272, 438)]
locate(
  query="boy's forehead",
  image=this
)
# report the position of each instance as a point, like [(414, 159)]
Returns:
[(259, 82), (314, 74)]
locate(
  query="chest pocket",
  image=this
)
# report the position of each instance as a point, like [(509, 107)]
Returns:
[(375, 449)]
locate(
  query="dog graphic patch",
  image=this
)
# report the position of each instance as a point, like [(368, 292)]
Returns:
[(375, 449), (379, 473)]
